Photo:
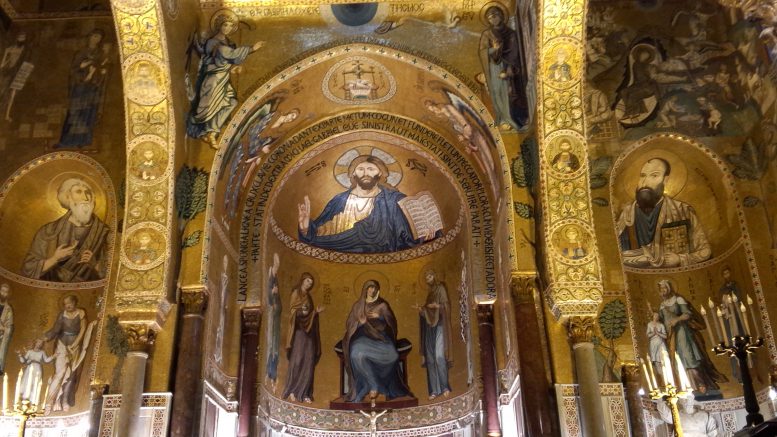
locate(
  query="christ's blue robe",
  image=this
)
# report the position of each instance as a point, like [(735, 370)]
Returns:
[(385, 230)]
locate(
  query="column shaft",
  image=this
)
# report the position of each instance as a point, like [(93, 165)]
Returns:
[(630, 375), (133, 382), (188, 364), (140, 339), (96, 407), (540, 413), (488, 367), (591, 412), (250, 318)]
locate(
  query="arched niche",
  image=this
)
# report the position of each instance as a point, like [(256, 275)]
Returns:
[(435, 139), (702, 220)]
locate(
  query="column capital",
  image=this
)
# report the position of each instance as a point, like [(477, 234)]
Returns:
[(140, 337), (251, 317), (580, 329), (194, 301), (523, 285), (97, 390), (630, 371), (485, 312)]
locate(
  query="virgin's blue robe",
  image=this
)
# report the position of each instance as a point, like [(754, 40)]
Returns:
[(372, 359), (385, 230)]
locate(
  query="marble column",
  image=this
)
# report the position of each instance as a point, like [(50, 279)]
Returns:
[(488, 367), (632, 383), (96, 392), (541, 414), (250, 320), (140, 338), (188, 363), (580, 330)]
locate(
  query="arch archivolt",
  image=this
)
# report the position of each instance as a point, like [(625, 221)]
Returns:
[(142, 292), (575, 278), (311, 69)]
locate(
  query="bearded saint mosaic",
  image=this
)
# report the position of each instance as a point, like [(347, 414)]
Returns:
[(371, 215), (656, 230), (71, 248)]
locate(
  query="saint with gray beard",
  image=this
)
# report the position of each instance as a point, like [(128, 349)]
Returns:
[(71, 248), (657, 231)]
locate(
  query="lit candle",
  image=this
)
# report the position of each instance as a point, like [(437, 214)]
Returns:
[(707, 324), (685, 383), (744, 318), (18, 394), (5, 392), (666, 363), (732, 316), (721, 335), (28, 388), (647, 375), (652, 374), (45, 398), (722, 327), (752, 314), (37, 392)]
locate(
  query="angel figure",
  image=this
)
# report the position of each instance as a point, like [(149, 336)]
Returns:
[(214, 96)]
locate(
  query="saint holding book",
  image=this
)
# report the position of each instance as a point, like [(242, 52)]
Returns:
[(369, 217)]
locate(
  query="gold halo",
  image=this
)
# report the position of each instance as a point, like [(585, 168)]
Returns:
[(341, 170), (487, 6), (361, 278), (438, 273), (675, 182), (220, 13), (98, 193)]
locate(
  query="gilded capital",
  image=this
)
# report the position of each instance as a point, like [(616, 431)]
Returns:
[(97, 390), (523, 286), (140, 337), (580, 329), (194, 301), (630, 371)]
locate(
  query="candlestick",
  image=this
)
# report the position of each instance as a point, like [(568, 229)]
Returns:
[(5, 393), (741, 348), (685, 383), (28, 388), (711, 304), (652, 373), (744, 318), (45, 397), (732, 316), (707, 324), (647, 375), (18, 393), (666, 365), (722, 327), (752, 314), (37, 392)]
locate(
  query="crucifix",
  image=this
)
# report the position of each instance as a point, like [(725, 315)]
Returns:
[(373, 417)]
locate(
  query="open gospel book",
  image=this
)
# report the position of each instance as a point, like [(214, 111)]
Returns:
[(423, 214)]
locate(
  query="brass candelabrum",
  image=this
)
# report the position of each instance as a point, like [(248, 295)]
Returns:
[(24, 410), (740, 347), (670, 394)]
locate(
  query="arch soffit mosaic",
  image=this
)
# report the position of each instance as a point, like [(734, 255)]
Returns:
[(316, 66)]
